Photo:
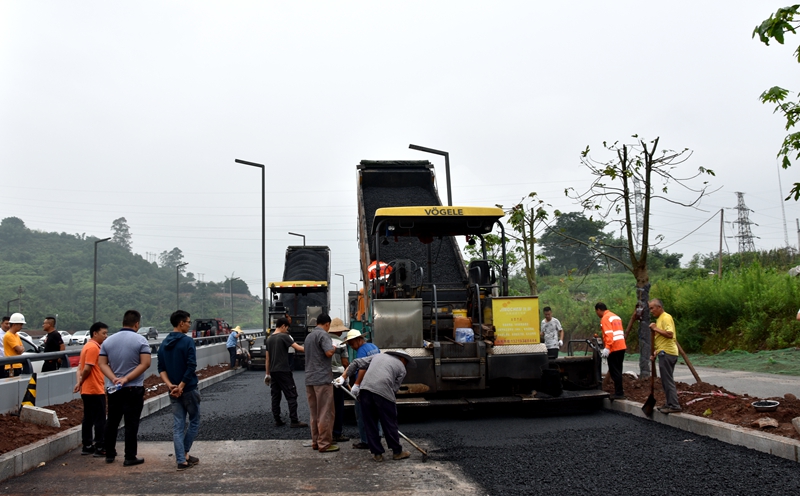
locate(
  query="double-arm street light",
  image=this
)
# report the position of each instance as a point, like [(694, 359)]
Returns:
[(94, 291), (301, 235), (178, 284), (263, 243), (446, 166), (344, 298)]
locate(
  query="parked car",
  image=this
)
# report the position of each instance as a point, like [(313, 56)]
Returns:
[(149, 332), (80, 337), (66, 337), (31, 348), (24, 335)]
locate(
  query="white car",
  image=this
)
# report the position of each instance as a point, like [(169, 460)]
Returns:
[(66, 337), (24, 335), (31, 348), (80, 337)]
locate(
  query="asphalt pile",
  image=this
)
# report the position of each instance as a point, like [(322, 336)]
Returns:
[(516, 451), (447, 266)]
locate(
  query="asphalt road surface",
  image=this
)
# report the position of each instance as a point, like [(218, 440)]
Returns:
[(514, 451)]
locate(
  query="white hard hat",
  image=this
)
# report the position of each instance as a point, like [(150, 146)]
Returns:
[(16, 318)]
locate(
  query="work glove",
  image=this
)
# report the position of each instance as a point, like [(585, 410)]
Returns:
[(355, 390), (267, 379), (339, 381), (605, 352), (560, 343)]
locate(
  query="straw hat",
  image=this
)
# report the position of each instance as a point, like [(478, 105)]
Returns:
[(337, 325), (352, 334), (237, 329), (410, 363)]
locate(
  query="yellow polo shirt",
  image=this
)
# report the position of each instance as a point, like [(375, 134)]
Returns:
[(669, 346)]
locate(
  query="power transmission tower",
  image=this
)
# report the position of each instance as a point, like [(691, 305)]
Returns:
[(745, 235)]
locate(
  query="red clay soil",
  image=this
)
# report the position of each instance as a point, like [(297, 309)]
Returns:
[(716, 403), (17, 434)]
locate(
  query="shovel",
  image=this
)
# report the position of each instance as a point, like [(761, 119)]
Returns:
[(648, 406), (412, 443)]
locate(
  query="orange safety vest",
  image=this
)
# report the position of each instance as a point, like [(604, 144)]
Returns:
[(385, 270), (613, 335)]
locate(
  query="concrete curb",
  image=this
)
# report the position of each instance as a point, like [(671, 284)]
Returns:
[(732, 434), (21, 460)]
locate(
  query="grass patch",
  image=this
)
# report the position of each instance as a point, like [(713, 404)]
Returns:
[(782, 362)]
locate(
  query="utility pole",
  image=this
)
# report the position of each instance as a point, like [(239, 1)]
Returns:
[(798, 235), (721, 224)]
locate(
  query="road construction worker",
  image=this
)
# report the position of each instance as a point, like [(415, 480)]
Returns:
[(379, 272), (666, 349), (379, 378), (363, 349), (12, 344), (614, 346)]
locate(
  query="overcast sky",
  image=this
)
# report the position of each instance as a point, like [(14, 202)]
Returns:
[(138, 109)]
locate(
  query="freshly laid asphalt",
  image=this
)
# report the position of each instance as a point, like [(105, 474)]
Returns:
[(496, 450)]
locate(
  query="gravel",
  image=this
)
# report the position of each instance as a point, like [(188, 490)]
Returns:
[(518, 452)]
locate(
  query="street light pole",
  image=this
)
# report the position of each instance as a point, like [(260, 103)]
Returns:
[(446, 166), (94, 291), (8, 305), (263, 243), (178, 284), (231, 291), (344, 297), (301, 235)]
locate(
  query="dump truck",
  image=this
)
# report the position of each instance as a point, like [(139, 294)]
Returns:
[(472, 342), (302, 295)]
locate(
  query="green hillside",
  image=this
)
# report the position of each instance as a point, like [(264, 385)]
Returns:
[(55, 272)]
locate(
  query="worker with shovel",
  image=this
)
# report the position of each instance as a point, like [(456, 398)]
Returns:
[(666, 349), (614, 346), (379, 378)]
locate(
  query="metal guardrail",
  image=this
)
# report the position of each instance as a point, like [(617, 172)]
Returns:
[(27, 359)]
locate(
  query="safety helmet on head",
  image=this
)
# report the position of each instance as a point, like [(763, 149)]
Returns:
[(17, 318)]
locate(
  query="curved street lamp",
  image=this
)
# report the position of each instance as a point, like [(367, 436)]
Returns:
[(94, 291), (263, 243), (178, 284)]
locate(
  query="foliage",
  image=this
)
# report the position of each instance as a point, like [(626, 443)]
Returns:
[(56, 272), (781, 22), (473, 251), (122, 233), (564, 253), (526, 220), (171, 259), (752, 308)]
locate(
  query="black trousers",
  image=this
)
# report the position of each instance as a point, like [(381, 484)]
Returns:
[(615, 360), (377, 408), (338, 407), (50, 365), (283, 382), (126, 403), (94, 415)]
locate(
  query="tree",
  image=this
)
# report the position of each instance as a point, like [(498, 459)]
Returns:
[(562, 252), (473, 251), (781, 22), (171, 259), (526, 220), (122, 233), (611, 196)]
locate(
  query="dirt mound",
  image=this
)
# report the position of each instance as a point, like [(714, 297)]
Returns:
[(714, 402), (17, 434)]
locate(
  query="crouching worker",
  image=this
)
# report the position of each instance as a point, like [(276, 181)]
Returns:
[(379, 378)]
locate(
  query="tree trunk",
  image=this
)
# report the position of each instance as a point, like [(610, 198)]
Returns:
[(643, 297)]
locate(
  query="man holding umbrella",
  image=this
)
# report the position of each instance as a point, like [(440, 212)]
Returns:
[(379, 378)]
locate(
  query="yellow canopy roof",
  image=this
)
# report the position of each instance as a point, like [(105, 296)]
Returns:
[(298, 286), (435, 220)]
